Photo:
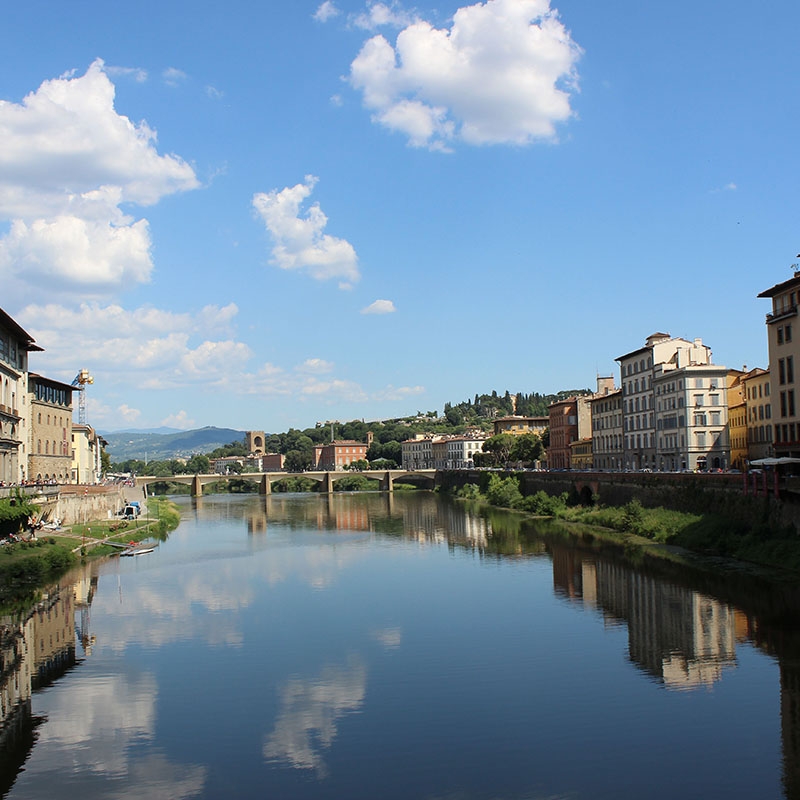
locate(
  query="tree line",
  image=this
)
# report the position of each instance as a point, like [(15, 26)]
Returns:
[(385, 452)]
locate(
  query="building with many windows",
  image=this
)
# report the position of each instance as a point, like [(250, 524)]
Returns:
[(758, 405), (335, 456), (640, 442), (784, 356), (15, 344), (50, 426), (691, 409), (607, 450), (737, 421)]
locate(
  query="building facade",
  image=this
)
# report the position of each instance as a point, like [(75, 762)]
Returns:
[(336, 456), (50, 427), (418, 452), (784, 356), (15, 344), (607, 434), (87, 452), (758, 404), (691, 411), (517, 426), (640, 442)]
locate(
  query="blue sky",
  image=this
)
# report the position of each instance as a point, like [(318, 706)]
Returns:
[(264, 215)]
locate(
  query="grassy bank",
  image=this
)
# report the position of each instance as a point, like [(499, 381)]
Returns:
[(26, 566), (710, 534)]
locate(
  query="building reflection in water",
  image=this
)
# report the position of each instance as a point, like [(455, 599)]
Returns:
[(36, 649)]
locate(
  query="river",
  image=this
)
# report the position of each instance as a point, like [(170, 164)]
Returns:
[(397, 646)]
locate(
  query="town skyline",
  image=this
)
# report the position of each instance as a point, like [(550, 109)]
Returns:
[(265, 217)]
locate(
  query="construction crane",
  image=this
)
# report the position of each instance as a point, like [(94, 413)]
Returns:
[(81, 380)]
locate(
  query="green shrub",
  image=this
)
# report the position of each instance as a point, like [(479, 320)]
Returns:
[(504, 492)]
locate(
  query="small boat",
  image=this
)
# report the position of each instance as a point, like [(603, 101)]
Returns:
[(138, 550)]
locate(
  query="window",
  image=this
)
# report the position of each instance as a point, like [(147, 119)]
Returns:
[(783, 404), (790, 369), (715, 417), (781, 371), (698, 400), (714, 399), (780, 335), (788, 332), (790, 401)]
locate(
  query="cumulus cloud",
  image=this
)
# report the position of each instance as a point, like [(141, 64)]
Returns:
[(326, 11), (380, 307), (68, 163), (501, 74), (138, 74), (300, 242), (383, 15), (156, 350)]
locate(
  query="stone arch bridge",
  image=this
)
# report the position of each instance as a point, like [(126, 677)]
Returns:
[(424, 478)]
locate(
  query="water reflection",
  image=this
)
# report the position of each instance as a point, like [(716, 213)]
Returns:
[(309, 710), (210, 591)]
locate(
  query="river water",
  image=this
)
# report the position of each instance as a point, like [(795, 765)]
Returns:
[(378, 646)]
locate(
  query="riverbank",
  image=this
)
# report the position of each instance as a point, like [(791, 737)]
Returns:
[(29, 564), (760, 540)]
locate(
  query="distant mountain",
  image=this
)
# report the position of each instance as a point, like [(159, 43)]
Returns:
[(148, 446)]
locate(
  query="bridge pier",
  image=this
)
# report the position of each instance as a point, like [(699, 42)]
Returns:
[(327, 484), (266, 485), (197, 487), (387, 484)]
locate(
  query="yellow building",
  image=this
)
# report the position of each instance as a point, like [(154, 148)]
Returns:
[(517, 426), (581, 456), (758, 402), (737, 419)]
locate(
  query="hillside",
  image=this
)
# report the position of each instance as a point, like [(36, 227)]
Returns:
[(147, 446)]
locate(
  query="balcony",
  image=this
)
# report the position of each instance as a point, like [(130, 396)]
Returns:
[(785, 313)]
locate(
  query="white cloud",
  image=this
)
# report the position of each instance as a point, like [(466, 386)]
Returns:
[(127, 414), (180, 420), (380, 307), (501, 74), (326, 11), (68, 163), (214, 93), (173, 76), (138, 74), (300, 242), (315, 366), (382, 14)]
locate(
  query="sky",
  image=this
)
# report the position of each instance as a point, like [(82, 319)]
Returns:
[(264, 215)]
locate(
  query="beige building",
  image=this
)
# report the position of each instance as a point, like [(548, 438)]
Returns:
[(50, 430), (455, 452), (640, 442), (15, 344), (418, 452), (87, 452), (784, 356)]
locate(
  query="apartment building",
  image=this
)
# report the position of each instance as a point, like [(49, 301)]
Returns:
[(455, 452), (570, 421), (784, 355), (758, 405), (607, 431), (691, 409), (87, 450), (737, 420), (640, 443)]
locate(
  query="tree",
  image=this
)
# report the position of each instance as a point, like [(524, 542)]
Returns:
[(527, 448), (500, 446), (297, 461), (198, 465)]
